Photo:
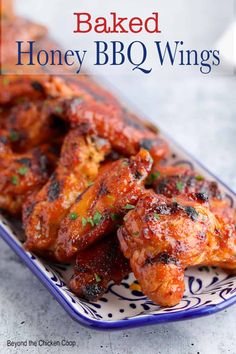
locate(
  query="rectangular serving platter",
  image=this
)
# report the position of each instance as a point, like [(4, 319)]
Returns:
[(208, 289)]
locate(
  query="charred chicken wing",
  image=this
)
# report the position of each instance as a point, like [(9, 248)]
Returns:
[(21, 174), (162, 236), (78, 166), (98, 210), (126, 133), (97, 266)]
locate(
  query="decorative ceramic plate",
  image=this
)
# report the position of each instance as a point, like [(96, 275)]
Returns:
[(208, 290)]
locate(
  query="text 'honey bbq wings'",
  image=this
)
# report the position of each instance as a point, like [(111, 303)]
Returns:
[(162, 236), (97, 211), (78, 166)]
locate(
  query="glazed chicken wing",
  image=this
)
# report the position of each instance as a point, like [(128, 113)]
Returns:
[(97, 266), (162, 236), (78, 166), (97, 211), (174, 181), (21, 174), (126, 133)]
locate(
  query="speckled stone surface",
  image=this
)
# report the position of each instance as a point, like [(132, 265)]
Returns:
[(201, 115)]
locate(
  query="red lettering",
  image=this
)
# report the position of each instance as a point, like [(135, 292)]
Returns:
[(135, 21), (83, 21), (156, 23)]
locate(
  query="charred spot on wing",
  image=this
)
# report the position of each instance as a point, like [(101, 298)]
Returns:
[(203, 197), (57, 123), (146, 144), (161, 187), (137, 174), (37, 86), (102, 190), (191, 212), (29, 209), (92, 291), (53, 189), (162, 257), (43, 162), (112, 156), (167, 209)]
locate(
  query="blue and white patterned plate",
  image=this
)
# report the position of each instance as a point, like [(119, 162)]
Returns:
[(208, 290)]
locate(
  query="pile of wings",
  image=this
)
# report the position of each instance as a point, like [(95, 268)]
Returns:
[(92, 184)]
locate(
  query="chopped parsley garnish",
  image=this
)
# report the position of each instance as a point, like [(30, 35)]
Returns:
[(199, 178), (15, 180), (14, 136), (180, 186), (84, 221), (153, 177), (23, 170), (90, 183), (129, 206), (191, 212), (97, 218), (156, 216), (73, 216), (97, 278), (136, 233)]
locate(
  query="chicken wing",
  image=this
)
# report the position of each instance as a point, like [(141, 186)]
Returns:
[(126, 133), (21, 174), (78, 166), (32, 123), (162, 236), (97, 266), (172, 181), (115, 190)]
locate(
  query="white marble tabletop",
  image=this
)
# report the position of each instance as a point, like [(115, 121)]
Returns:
[(201, 115)]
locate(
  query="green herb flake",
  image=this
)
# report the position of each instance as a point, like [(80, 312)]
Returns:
[(180, 186), (97, 218), (156, 216), (199, 178), (14, 136), (84, 221), (90, 183), (15, 180), (97, 278), (23, 170), (73, 216), (135, 234), (129, 206), (153, 177)]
